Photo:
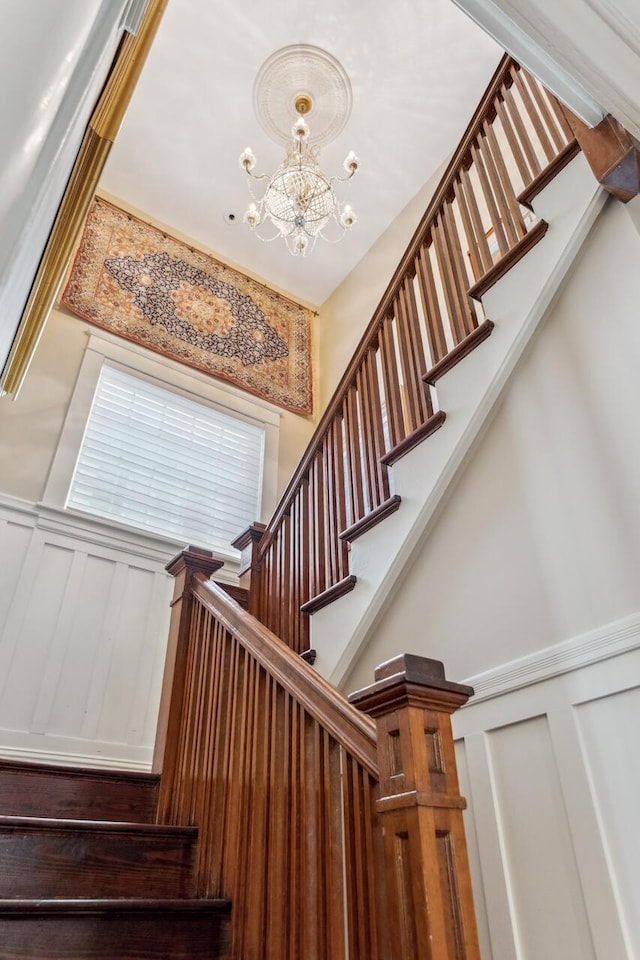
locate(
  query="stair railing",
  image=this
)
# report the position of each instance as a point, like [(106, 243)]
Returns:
[(477, 225), (335, 836)]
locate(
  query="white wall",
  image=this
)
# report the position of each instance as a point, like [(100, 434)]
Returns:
[(526, 585)]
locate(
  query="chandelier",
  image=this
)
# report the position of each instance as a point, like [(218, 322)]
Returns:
[(299, 200)]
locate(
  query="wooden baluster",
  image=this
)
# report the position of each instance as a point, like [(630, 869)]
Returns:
[(310, 840), (284, 631), (342, 547), (412, 357), (201, 745), (392, 393), (276, 891), (477, 267), (329, 480), (357, 915), (429, 885), (331, 861), (534, 116), (514, 143), (293, 577), (305, 553), (374, 400), (319, 524), (544, 108), (494, 215), (431, 305), (183, 773), (235, 776), (504, 185), (497, 188), (521, 133), (314, 588), (370, 471), (293, 945), (561, 117), (482, 243), (249, 732), (352, 427), (224, 771), (251, 906), (465, 309), (445, 269)]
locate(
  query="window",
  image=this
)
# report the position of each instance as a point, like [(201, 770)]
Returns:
[(166, 463), (151, 447)]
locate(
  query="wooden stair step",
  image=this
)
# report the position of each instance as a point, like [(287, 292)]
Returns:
[(81, 858), (114, 929), (46, 790)]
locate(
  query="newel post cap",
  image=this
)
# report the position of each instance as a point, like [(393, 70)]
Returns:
[(251, 534), (410, 681), (194, 560)]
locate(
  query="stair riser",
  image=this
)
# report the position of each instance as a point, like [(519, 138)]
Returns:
[(114, 937), (44, 864), (30, 790)]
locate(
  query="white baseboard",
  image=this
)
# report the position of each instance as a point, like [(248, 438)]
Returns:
[(100, 756)]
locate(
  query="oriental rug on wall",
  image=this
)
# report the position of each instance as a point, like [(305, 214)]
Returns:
[(141, 284)]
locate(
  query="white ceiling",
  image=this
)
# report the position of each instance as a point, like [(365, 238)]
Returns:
[(417, 69)]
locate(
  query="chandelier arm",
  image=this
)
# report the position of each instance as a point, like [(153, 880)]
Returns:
[(338, 179)]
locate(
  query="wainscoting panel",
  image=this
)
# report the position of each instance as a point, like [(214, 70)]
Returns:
[(84, 612), (542, 877), (551, 771), (609, 728)]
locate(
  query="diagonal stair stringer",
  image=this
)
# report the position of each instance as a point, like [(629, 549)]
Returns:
[(517, 304)]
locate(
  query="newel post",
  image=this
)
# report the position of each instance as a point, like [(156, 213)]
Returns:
[(429, 886), (248, 543), (185, 567)]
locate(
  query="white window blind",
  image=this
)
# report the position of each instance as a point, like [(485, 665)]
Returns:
[(168, 464)]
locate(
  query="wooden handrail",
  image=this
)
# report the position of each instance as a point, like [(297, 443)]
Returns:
[(428, 319), (350, 728), (332, 834)]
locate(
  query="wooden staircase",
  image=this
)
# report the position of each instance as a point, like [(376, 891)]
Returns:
[(85, 872)]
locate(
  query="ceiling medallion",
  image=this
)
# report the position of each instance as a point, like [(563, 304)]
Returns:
[(299, 199), (302, 73)]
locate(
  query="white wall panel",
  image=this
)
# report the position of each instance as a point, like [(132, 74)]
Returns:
[(608, 728), (551, 774), (548, 908), (84, 611)]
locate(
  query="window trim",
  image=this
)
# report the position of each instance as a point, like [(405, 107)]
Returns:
[(104, 348)]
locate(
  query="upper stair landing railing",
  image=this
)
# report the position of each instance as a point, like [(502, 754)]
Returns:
[(333, 836), (477, 225)]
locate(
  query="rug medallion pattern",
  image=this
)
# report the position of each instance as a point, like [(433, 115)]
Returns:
[(133, 280)]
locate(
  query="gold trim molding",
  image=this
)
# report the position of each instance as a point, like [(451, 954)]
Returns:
[(101, 132)]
